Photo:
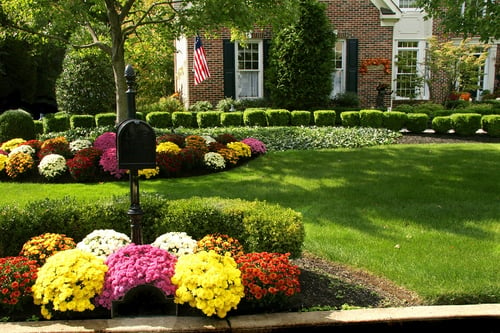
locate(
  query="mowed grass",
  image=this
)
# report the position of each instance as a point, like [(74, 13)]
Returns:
[(425, 216)]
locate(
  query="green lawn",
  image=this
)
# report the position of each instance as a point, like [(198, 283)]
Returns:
[(425, 216)]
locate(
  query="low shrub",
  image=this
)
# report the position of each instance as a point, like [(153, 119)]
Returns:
[(255, 117), (231, 119), (417, 122), (201, 106), (371, 118), (350, 118), (38, 127), (428, 108), (491, 124), (441, 124), (466, 124), (259, 226), (208, 119), (324, 118), (81, 120), (16, 124), (159, 119), (105, 119), (394, 120), (300, 118), (56, 122), (182, 119), (278, 117)]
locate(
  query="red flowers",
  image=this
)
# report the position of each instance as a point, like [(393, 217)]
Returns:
[(268, 277), (18, 275)]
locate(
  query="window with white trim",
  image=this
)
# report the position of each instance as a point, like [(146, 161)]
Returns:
[(410, 70), (249, 69), (338, 77), (407, 4)]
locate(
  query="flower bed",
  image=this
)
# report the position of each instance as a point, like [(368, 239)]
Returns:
[(81, 160), (212, 274)]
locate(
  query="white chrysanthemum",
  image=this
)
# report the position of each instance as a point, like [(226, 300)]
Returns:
[(26, 149), (177, 243), (80, 144), (52, 166), (103, 242), (208, 139), (214, 161)]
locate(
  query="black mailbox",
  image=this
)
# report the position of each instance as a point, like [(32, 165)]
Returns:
[(136, 145)]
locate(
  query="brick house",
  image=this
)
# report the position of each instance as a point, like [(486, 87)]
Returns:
[(370, 35)]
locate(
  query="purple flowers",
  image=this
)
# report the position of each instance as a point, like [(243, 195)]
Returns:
[(135, 265), (256, 146), (105, 141)]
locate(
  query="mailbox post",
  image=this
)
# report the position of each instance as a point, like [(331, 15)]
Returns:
[(136, 149)]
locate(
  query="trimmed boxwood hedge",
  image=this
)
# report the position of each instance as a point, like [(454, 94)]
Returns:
[(394, 120), (230, 119), (466, 123), (491, 124), (441, 124), (371, 118), (82, 121), (258, 225), (255, 117), (278, 117), (417, 122), (324, 117), (182, 119), (159, 119), (350, 118), (300, 118)]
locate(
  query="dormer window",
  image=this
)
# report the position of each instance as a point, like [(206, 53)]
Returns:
[(407, 4)]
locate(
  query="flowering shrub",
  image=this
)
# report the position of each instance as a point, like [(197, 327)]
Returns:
[(134, 265), (168, 147), (109, 163), (169, 163), (26, 149), (230, 156), (84, 165), (18, 275), (35, 144), (41, 247), (208, 281), (196, 142), (78, 145), (242, 150), (69, 281), (221, 244), (57, 145), (256, 146), (214, 161), (268, 277), (52, 166), (105, 141), (19, 164), (176, 243), (103, 243), (7, 146)]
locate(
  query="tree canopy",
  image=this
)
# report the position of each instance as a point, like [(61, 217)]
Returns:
[(468, 17), (109, 24)]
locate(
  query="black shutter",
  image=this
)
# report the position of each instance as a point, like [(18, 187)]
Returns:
[(229, 74), (267, 45), (351, 80)]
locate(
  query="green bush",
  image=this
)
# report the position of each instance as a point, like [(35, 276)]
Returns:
[(371, 118), (201, 106), (56, 122), (208, 119), (105, 119), (259, 226), (441, 124), (300, 118), (226, 103), (16, 124), (278, 117), (491, 124), (255, 117), (230, 119), (417, 122), (350, 118), (182, 119), (324, 117), (429, 109), (81, 121), (159, 119), (394, 120), (406, 108), (466, 123), (140, 115), (38, 127), (347, 99)]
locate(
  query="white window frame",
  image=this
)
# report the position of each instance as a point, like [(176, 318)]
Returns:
[(339, 75), (406, 6), (421, 69), (260, 70)]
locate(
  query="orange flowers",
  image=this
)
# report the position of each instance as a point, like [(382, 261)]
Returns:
[(375, 62)]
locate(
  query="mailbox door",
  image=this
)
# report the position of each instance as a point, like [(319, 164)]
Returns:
[(136, 145)]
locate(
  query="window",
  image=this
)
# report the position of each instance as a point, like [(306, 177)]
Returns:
[(407, 4), (249, 70), (338, 78), (409, 77)]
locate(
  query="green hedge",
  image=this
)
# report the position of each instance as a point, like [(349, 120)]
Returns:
[(182, 119), (255, 117), (417, 122), (81, 121), (16, 124), (491, 124), (231, 119), (466, 124), (56, 122), (207, 119), (105, 119), (278, 117), (371, 118), (441, 124), (258, 225), (394, 120), (300, 118), (350, 118), (159, 119), (324, 117)]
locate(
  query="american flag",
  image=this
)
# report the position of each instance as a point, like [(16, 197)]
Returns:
[(200, 65)]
